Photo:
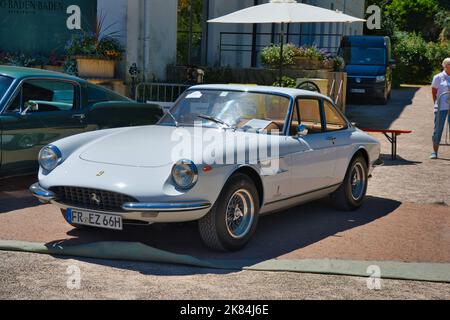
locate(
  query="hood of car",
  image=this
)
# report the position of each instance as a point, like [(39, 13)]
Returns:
[(368, 71), (149, 146)]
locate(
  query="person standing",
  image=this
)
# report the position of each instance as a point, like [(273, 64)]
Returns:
[(441, 84)]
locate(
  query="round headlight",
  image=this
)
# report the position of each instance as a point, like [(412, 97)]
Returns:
[(49, 158), (185, 174)]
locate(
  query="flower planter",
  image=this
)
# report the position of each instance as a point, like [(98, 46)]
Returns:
[(305, 63), (328, 65), (95, 68)]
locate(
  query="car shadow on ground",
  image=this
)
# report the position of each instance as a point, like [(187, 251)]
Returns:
[(373, 116), (14, 194), (388, 162), (277, 234)]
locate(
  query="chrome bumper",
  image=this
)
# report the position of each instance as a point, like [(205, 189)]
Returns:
[(46, 196), (42, 194)]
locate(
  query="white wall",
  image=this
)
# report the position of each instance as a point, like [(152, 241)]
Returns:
[(148, 30), (115, 13)]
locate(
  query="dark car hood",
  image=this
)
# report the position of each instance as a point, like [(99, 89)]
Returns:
[(361, 70)]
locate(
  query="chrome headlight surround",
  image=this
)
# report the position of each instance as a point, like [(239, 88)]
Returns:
[(185, 174), (49, 158)]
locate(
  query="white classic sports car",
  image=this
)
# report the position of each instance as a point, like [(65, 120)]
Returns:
[(223, 155)]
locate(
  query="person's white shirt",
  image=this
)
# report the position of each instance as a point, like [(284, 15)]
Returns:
[(441, 82)]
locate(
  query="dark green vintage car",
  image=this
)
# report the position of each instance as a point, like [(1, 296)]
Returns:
[(38, 107)]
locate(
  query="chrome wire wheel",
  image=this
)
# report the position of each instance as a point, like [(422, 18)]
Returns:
[(358, 181), (240, 213)]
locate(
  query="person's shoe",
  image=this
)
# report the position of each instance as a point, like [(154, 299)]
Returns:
[(434, 156)]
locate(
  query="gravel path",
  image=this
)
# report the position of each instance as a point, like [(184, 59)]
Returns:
[(31, 276)]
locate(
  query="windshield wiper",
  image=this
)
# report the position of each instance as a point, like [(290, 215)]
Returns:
[(173, 117), (215, 120)]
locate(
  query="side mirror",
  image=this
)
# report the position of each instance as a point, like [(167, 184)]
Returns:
[(302, 131), (30, 105)]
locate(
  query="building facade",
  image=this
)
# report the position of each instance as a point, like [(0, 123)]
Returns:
[(152, 32), (157, 33)]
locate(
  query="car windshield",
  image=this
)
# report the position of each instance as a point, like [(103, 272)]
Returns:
[(259, 112), (365, 56), (5, 83)]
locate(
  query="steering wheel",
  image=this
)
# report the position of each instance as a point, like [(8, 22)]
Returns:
[(309, 86)]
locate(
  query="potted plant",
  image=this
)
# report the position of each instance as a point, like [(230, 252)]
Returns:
[(95, 53), (270, 56), (96, 57), (333, 63), (308, 58)]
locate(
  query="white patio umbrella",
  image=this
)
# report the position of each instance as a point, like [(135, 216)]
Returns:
[(283, 12)]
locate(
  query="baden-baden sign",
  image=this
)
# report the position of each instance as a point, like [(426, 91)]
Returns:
[(42, 26)]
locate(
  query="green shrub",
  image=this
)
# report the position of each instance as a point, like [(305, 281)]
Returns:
[(437, 52), (412, 54), (286, 82), (270, 56)]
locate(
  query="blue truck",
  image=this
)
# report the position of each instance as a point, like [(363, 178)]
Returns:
[(369, 67)]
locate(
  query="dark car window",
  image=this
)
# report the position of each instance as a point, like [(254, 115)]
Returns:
[(96, 95), (5, 83), (365, 56), (49, 95)]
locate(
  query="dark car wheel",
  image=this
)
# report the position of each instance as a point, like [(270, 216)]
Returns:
[(232, 221), (352, 192)]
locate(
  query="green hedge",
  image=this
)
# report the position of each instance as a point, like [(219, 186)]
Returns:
[(417, 60)]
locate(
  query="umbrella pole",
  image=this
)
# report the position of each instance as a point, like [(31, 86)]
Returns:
[(281, 54)]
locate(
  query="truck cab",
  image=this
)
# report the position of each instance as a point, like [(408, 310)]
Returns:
[(369, 66)]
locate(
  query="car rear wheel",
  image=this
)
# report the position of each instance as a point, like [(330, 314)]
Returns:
[(352, 192), (232, 221)]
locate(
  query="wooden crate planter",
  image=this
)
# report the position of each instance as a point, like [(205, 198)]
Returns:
[(95, 68), (305, 63)]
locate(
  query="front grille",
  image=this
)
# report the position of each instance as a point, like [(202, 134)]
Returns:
[(91, 198), (362, 81)]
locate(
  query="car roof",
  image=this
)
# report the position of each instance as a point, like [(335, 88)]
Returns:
[(22, 72), (260, 89)]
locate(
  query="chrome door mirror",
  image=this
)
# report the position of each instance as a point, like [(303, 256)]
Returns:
[(302, 131), (30, 106)]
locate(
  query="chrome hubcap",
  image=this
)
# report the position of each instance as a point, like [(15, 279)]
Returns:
[(358, 181), (240, 214)]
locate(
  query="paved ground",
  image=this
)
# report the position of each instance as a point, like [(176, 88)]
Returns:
[(406, 218), (414, 177)]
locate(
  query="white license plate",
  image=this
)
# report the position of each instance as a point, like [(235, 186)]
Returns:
[(95, 219), (358, 90)]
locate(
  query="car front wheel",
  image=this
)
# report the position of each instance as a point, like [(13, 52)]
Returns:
[(232, 221), (352, 192)]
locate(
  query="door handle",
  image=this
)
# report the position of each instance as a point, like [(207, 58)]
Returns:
[(332, 139), (79, 116)]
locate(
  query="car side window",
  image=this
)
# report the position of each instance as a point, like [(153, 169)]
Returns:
[(334, 120), (309, 116), (97, 95), (45, 96)]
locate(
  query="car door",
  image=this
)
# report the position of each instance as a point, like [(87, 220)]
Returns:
[(338, 131), (41, 112), (312, 159)]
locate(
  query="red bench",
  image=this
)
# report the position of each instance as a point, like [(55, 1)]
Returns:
[(392, 136)]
